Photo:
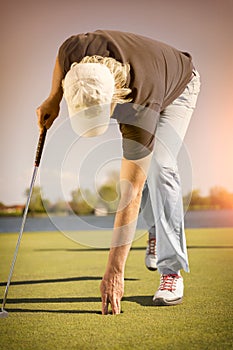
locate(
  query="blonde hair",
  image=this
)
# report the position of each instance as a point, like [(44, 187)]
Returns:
[(120, 74)]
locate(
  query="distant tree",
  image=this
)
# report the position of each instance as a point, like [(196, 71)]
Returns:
[(36, 203), (195, 201), (218, 198), (109, 197), (186, 200), (109, 192), (82, 202), (61, 207), (221, 198)]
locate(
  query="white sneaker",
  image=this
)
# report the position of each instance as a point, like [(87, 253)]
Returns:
[(151, 256), (170, 291)]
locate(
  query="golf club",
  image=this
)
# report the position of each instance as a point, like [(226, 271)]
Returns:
[(40, 145)]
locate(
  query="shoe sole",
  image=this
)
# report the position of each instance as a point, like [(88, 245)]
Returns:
[(151, 268), (164, 302)]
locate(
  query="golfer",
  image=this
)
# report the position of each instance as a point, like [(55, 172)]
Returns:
[(151, 89)]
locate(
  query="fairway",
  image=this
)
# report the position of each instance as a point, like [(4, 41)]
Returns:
[(54, 300)]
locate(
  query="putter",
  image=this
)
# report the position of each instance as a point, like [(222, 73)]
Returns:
[(40, 145)]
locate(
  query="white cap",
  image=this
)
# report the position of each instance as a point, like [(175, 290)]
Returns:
[(88, 91)]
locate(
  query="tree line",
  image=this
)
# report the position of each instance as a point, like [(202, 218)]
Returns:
[(84, 202), (217, 198)]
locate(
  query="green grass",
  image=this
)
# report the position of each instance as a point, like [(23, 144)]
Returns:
[(56, 302)]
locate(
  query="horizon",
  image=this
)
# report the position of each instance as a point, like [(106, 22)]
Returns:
[(55, 200)]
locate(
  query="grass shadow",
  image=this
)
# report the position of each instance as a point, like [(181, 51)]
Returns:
[(54, 300), (61, 280), (132, 248), (19, 310), (143, 300)]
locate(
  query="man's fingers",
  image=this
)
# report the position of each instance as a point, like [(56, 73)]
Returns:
[(46, 120), (49, 122), (38, 112), (105, 303), (41, 119), (116, 306), (111, 293)]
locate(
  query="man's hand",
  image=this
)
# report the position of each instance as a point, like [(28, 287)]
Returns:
[(112, 290), (133, 175), (47, 113), (51, 106)]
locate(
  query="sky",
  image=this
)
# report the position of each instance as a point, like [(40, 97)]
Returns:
[(31, 33)]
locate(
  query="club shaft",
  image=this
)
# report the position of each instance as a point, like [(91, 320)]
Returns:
[(20, 235)]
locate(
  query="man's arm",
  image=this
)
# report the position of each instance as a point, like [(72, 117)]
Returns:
[(51, 106), (132, 179)]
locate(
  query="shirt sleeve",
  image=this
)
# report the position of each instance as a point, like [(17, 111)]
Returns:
[(76, 47)]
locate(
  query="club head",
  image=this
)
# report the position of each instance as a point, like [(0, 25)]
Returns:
[(3, 313)]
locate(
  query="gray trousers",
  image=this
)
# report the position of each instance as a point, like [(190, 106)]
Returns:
[(162, 205)]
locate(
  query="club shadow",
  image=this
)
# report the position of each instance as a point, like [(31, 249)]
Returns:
[(61, 280), (132, 248), (143, 300), (81, 250), (54, 300), (20, 310)]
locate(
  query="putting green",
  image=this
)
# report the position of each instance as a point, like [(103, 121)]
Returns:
[(54, 300)]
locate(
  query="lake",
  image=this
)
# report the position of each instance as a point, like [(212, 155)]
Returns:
[(193, 219)]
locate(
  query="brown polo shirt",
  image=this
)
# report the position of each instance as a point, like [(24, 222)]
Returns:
[(158, 75)]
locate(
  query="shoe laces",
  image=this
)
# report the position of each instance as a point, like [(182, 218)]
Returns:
[(152, 246), (168, 282)]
